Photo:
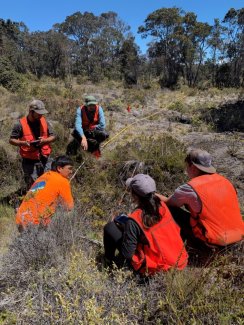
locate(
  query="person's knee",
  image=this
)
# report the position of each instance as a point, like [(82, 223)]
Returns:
[(76, 136), (112, 233), (109, 228), (101, 136), (28, 181), (104, 135)]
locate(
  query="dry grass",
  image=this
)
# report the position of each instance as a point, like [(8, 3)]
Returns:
[(57, 276), (53, 277)]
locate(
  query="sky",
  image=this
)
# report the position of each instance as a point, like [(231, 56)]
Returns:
[(43, 14)]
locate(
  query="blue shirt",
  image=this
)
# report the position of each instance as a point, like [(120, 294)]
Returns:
[(78, 121)]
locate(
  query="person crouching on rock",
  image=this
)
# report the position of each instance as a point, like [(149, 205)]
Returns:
[(90, 125), (149, 239)]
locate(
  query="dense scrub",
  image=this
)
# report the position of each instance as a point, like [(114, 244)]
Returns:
[(57, 276)]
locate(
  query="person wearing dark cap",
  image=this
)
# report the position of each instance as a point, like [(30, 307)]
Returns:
[(213, 217), (33, 135), (148, 239), (89, 129)]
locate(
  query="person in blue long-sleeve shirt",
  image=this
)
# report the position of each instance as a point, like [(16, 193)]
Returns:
[(90, 125)]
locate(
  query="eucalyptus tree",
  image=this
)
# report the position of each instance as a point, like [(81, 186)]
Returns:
[(193, 38), (216, 50), (11, 43), (81, 29), (107, 45), (11, 53), (46, 53), (96, 42), (179, 43), (234, 45), (161, 26), (129, 61)]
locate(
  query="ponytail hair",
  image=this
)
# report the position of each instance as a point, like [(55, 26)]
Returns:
[(150, 205)]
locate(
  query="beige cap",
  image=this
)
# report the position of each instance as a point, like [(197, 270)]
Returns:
[(38, 106), (202, 160)]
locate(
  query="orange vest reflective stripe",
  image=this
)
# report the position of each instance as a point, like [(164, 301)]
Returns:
[(86, 123), (32, 152), (220, 221), (165, 249)]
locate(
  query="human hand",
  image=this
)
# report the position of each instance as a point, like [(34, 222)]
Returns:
[(161, 197), (41, 141), (24, 143), (35, 143), (84, 143)]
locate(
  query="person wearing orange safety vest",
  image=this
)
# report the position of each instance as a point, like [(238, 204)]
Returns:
[(50, 190), (214, 219), (150, 240), (89, 129), (33, 135)]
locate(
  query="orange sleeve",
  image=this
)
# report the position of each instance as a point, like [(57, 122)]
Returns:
[(66, 195)]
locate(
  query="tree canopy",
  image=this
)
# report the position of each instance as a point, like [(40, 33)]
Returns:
[(180, 49)]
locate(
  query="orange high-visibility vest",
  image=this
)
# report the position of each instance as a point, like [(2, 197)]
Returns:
[(220, 221), (32, 152), (165, 249), (86, 124)]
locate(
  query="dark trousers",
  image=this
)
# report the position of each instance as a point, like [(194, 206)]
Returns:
[(199, 251), (94, 138), (112, 240), (35, 168)]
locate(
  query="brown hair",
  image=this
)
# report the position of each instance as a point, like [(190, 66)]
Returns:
[(150, 205)]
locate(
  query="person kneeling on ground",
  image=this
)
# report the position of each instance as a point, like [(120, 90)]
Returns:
[(48, 191), (89, 129), (213, 219), (150, 240)]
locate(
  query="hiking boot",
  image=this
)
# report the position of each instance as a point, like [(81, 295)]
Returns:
[(97, 153)]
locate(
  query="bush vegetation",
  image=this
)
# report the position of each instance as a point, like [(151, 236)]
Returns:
[(57, 276)]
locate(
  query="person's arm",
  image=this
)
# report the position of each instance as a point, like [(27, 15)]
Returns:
[(47, 140), (19, 143), (161, 197), (51, 136), (131, 238), (66, 196), (79, 129), (78, 122), (185, 195), (101, 122), (16, 135)]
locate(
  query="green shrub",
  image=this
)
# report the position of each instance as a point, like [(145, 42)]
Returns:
[(9, 78), (56, 277), (10, 173)]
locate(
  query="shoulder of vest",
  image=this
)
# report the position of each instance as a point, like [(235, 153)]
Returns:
[(23, 119), (135, 215), (43, 119), (203, 178)]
